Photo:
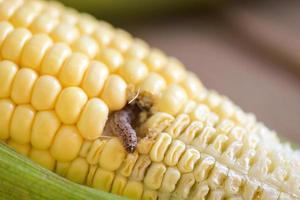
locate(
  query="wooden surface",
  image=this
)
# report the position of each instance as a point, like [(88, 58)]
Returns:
[(226, 62)]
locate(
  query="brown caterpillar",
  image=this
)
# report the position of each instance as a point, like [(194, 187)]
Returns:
[(121, 124)]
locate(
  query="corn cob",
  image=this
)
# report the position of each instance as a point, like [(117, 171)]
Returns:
[(64, 76)]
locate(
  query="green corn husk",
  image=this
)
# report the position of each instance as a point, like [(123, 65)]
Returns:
[(21, 179)]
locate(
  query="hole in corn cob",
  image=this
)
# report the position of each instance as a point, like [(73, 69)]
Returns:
[(124, 123)]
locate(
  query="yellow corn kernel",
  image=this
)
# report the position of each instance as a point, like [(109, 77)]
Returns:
[(191, 131), (187, 161), (94, 78), (128, 164), (43, 23), (62, 168), (34, 51), (73, 69), (85, 147), (233, 183), (217, 176), (173, 71), (270, 193), (112, 58), (284, 196), (199, 192), (170, 180), (103, 180), (155, 60), (103, 34), (133, 190), (67, 138), (91, 174), (251, 188), (5, 29), (157, 123), (218, 194), (144, 145), (140, 168), (92, 119), (178, 125), (8, 71), (69, 104), (154, 176), (189, 107), (6, 109), (202, 169), (215, 148), (53, 9), (184, 186), (65, 32), (23, 85), (21, 124), (138, 49), (243, 162), (44, 128), (95, 151), (160, 147), (118, 185), (45, 92), (153, 84), (213, 99), (225, 126), (192, 85), (20, 148), (112, 155), (54, 59), (133, 71), (86, 24), (201, 141), (230, 154), (42, 157), (121, 40), (86, 45), (26, 14), (78, 170), (69, 15), (171, 100), (14, 43), (201, 113), (150, 195), (114, 92), (174, 153), (8, 8)]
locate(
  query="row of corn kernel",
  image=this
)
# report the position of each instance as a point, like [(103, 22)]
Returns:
[(68, 106), (226, 133), (228, 155), (205, 173), (44, 93), (257, 130), (171, 72), (44, 42), (227, 110), (71, 71), (229, 179), (154, 175)]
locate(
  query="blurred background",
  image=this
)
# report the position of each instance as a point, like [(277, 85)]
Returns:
[(248, 50)]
